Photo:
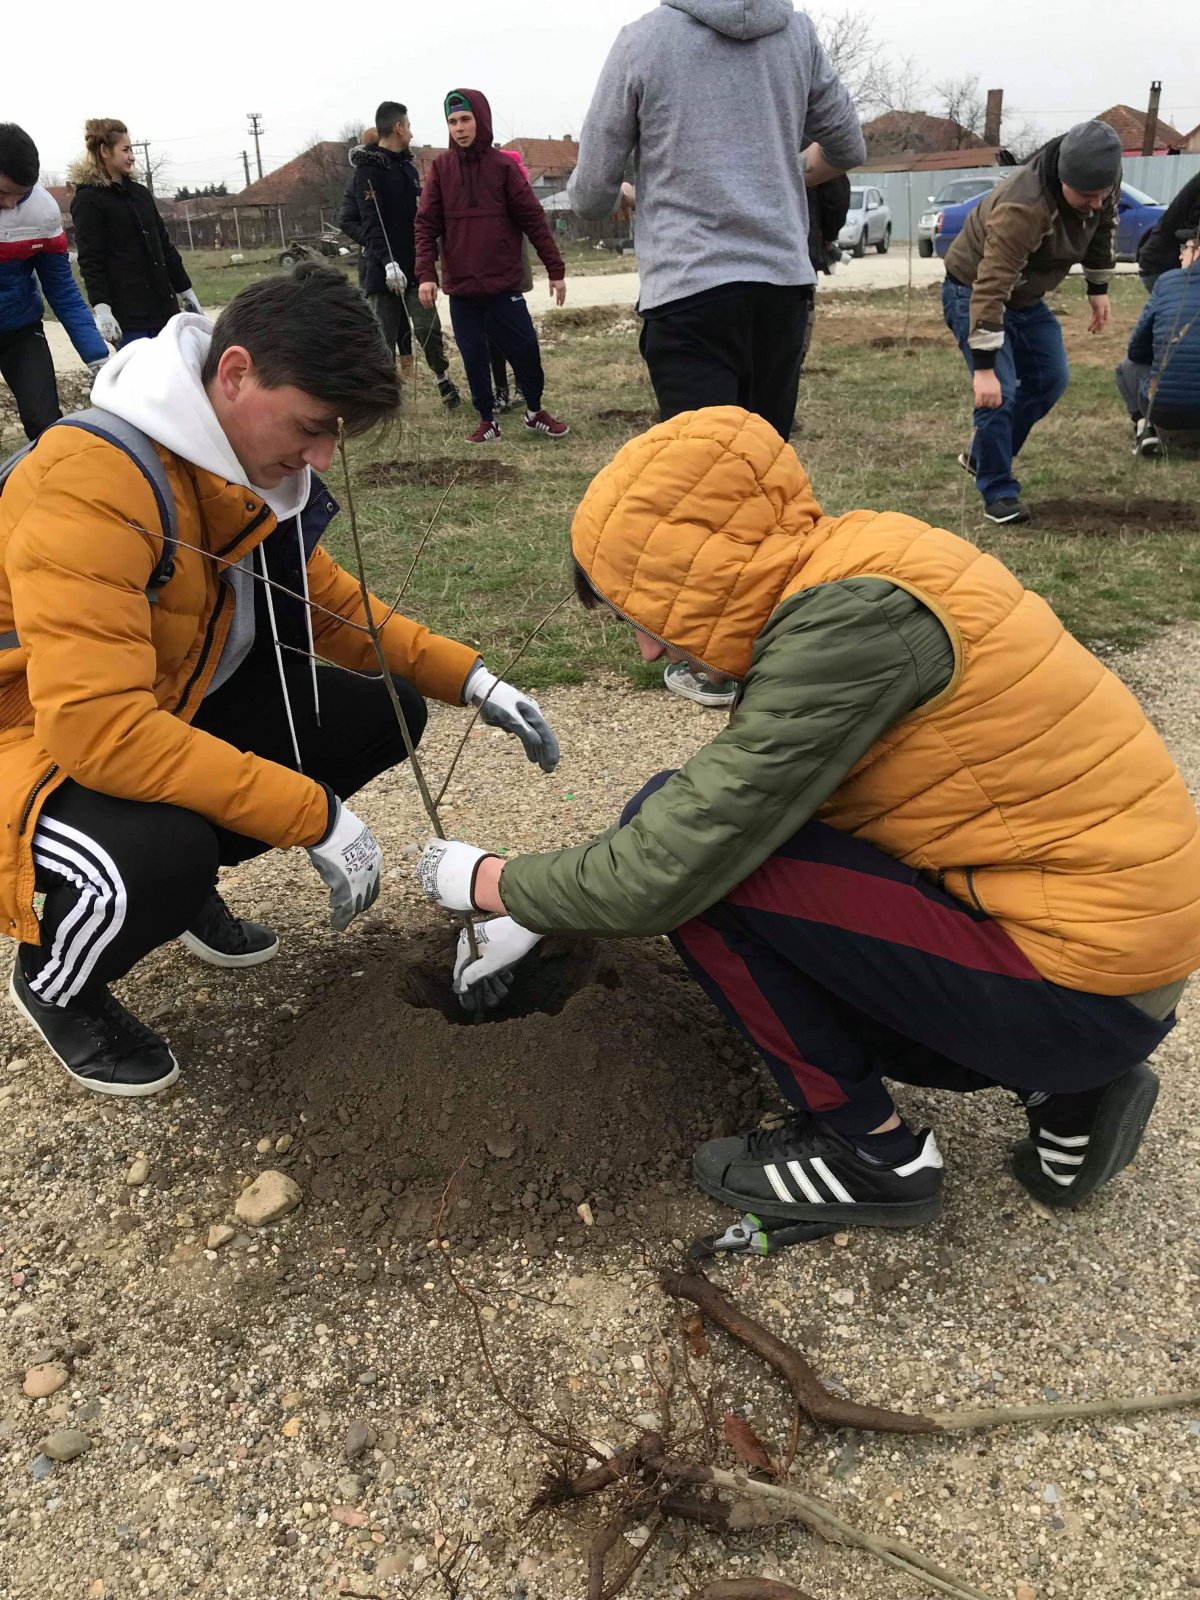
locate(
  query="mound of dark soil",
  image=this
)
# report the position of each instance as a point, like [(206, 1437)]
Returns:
[(437, 473), (608, 1070), (891, 341), (1106, 518), (635, 419)]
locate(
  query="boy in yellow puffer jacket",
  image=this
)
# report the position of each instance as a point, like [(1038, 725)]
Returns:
[(938, 840)]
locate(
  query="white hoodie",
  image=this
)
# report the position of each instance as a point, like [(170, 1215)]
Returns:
[(155, 385)]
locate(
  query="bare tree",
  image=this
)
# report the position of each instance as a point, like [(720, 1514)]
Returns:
[(962, 102), (857, 54)]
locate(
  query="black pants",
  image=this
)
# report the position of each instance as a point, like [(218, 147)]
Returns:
[(504, 320), (28, 369), (121, 877), (741, 347), (843, 967)]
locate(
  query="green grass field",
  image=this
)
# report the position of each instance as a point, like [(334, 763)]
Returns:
[(1115, 548)]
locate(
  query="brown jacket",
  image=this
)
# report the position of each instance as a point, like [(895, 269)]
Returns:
[(103, 686), (1020, 242)]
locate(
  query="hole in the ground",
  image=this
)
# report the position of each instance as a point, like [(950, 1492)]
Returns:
[(1106, 518), (552, 973), (437, 473), (636, 419), (893, 341)]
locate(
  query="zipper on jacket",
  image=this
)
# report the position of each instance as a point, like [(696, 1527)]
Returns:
[(969, 876), (202, 659), (51, 772), (256, 521)]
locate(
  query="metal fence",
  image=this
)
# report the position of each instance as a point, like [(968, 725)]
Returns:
[(908, 194)]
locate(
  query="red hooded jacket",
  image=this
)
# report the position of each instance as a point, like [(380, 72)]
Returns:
[(477, 202)]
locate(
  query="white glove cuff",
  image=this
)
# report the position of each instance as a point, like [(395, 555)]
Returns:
[(479, 685)]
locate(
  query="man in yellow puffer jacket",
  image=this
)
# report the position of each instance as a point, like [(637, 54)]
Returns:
[(938, 841), (156, 724)]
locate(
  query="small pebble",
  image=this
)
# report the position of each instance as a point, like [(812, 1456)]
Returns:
[(138, 1173), (65, 1444), (45, 1379)]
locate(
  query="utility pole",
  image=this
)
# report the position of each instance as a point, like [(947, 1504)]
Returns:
[(992, 119), (246, 167), (256, 128), (1151, 134), (144, 146)]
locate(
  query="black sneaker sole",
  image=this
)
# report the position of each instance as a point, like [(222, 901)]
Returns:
[(1116, 1134), (966, 464), (218, 958), (855, 1215), (1006, 519), (124, 1091)]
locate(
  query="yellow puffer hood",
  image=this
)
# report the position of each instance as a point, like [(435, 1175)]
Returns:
[(695, 529)]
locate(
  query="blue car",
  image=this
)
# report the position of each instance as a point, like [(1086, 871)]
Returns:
[(1137, 214)]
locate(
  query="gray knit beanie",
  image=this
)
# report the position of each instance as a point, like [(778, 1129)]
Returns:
[(1089, 157)]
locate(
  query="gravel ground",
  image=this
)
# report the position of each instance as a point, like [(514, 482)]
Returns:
[(301, 1409)]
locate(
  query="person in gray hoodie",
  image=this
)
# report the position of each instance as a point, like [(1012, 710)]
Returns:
[(730, 111)]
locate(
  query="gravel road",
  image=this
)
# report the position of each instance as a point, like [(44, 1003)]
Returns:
[(301, 1409)]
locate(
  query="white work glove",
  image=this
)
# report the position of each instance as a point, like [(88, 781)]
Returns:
[(483, 984), (394, 276), (191, 303), (447, 872), (94, 366), (507, 708), (108, 325), (349, 861)]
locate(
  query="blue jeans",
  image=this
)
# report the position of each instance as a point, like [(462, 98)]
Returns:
[(503, 320), (1032, 368)]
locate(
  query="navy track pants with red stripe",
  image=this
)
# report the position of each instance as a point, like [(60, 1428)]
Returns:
[(843, 967)]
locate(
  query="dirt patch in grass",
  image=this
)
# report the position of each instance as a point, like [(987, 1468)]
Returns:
[(634, 419), (893, 341), (1104, 518), (437, 473), (605, 1071)]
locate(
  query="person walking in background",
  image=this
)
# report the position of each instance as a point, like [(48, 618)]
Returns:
[(131, 270), (476, 209), (1160, 251), (387, 189), (731, 112), (828, 208), (349, 219), (33, 252), (1159, 378), (1017, 245)]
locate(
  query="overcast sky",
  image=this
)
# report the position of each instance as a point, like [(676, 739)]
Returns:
[(184, 76)]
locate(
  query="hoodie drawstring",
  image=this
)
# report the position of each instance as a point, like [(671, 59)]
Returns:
[(287, 704)]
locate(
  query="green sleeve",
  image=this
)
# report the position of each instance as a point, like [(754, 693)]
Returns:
[(834, 668)]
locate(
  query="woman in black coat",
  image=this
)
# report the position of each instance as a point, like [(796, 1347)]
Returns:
[(131, 270)]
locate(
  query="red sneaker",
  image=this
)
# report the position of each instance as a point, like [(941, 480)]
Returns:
[(487, 430), (543, 422)]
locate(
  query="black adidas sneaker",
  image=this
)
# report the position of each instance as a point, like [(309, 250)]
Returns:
[(1067, 1157), (803, 1171), (223, 940), (103, 1047)]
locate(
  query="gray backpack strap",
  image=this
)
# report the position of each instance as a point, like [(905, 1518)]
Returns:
[(139, 447)]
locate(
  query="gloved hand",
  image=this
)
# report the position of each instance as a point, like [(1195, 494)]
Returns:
[(482, 985), (94, 366), (349, 861), (191, 302), (394, 277), (507, 708), (447, 872), (108, 325)]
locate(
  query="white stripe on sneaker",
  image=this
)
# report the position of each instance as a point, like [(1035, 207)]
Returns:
[(806, 1183), (1065, 1179), (1069, 1141), (1060, 1156), (777, 1183), (837, 1190)]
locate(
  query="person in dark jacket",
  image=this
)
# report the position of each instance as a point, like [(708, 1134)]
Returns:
[(387, 190), (33, 252), (1159, 378), (476, 208), (1016, 246), (349, 219), (828, 207), (1160, 249), (131, 270)]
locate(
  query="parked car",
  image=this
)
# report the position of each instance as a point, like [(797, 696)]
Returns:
[(952, 194), (1137, 213), (868, 222)]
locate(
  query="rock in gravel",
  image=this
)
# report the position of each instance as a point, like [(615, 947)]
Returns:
[(360, 1436), (41, 1467), (349, 1516), (138, 1173), (44, 1379), (65, 1444), (219, 1234), (271, 1196)]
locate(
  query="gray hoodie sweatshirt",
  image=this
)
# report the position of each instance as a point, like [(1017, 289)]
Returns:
[(714, 100)]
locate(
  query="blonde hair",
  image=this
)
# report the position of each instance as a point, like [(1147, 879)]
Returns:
[(99, 131)]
